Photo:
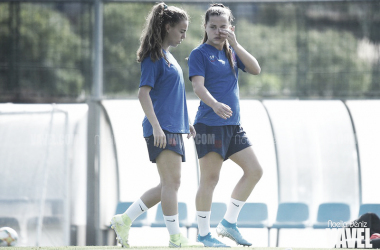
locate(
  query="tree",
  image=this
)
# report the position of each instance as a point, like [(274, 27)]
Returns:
[(333, 67), (38, 53), (123, 24)]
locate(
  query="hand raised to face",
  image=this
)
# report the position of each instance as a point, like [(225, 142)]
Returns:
[(229, 34)]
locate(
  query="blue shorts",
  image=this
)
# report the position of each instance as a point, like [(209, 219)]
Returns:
[(174, 142), (224, 140)]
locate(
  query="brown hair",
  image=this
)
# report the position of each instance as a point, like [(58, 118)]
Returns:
[(218, 9), (154, 31)]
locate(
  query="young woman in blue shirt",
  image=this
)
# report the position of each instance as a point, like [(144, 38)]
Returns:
[(213, 71), (162, 97)]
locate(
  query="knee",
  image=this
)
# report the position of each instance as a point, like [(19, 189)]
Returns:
[(254, 172), (176, 184), (159, 187), (171, 183), (210, 181)]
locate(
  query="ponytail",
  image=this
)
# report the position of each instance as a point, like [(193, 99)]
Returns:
[(228, 51), (154, 30)]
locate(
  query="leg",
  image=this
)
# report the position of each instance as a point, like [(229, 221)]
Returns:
[(152, 196), (247, 160), (121, 223), (278, 237), (147, 200), (210, 166), (169, 168)]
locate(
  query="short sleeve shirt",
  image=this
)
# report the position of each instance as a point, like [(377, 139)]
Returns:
[(167, 94), (220, 80)]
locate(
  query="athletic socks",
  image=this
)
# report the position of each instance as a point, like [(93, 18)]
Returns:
[(233, 210), (136, 209), (203, 218), (172, 224)]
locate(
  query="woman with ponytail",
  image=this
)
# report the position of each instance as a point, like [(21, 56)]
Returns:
[(162, 97), (213, 71)]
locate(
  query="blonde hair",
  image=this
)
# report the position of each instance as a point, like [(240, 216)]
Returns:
[(154, 31), (218, 9)]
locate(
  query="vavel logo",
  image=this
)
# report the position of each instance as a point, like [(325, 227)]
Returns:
[(346, 235)]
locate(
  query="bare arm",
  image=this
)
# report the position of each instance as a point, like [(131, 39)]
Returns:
[(251, 64), (221, 109), (147, 106)]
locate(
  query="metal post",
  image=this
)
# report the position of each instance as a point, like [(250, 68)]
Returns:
[(67, 170), (93, 234), (360, 189), (45, 180)]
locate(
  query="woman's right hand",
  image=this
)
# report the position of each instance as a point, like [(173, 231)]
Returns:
[(159, 137), (222, 110)]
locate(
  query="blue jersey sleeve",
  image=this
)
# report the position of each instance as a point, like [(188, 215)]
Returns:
[(197, 66), (149, 72)]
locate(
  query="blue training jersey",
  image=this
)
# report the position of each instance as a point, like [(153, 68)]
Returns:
[(220, 81), (167, 94)]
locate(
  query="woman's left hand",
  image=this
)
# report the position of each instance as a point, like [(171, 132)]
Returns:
[(229, 34), (192, 132)]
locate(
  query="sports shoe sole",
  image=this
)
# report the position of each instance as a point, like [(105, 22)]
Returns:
[(173, 245), (113, 223), (220, 244), (224, 233)]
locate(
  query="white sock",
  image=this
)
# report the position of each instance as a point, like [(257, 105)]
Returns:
[(172, 224), (136, 209), (203, 218), (233, 210)]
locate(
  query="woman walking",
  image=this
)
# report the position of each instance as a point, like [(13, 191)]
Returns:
[(213, 71), (162, 97)]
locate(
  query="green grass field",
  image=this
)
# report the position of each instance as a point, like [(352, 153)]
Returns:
[(153, 248)]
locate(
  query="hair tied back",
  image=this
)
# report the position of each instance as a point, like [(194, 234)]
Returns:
[(217, 5)]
